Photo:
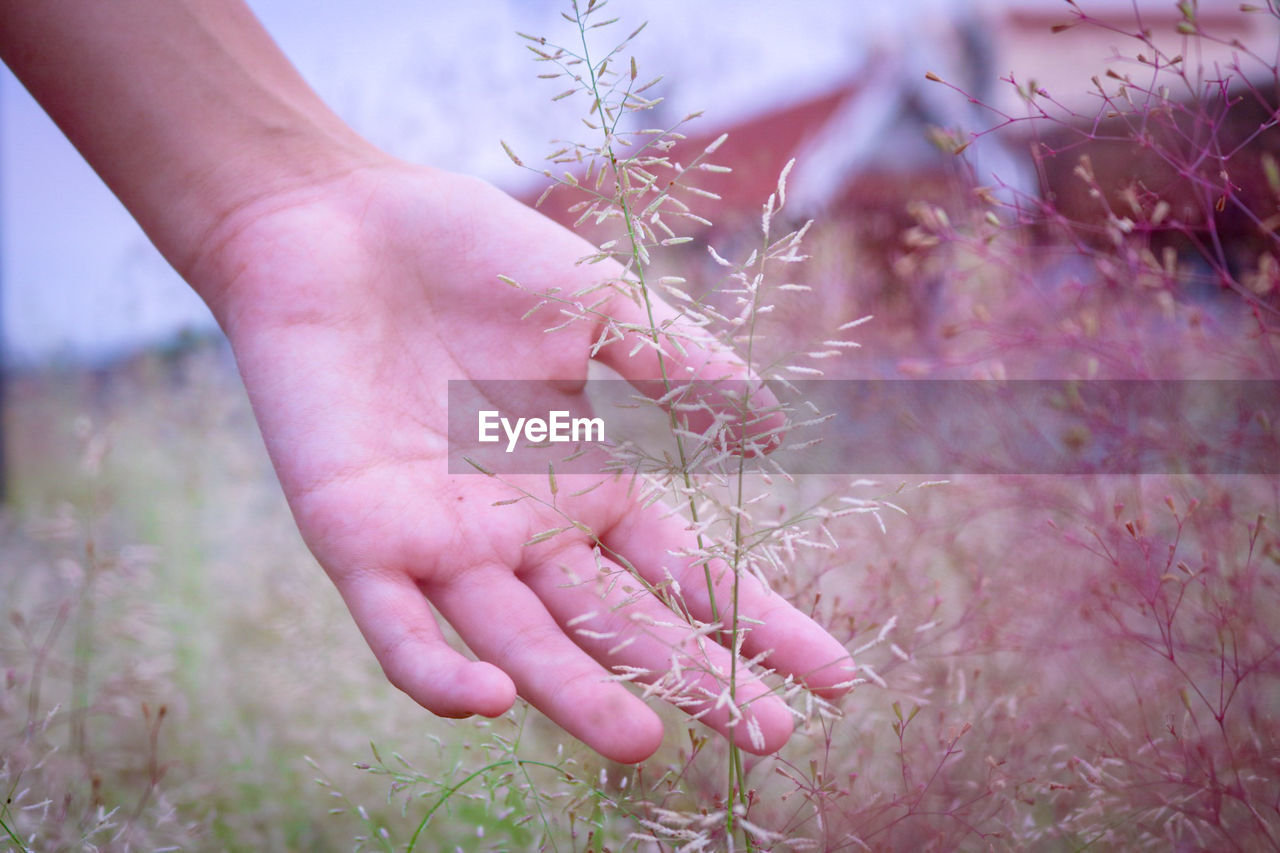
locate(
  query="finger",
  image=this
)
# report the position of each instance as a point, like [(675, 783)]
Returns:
[(699, 355), (792, 643), (689, 353), (400, 628), (504, 623), (618, 622)]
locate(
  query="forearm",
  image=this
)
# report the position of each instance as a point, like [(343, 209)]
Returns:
[(186, 108)]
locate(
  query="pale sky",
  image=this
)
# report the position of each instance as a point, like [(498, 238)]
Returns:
[(433, 82)]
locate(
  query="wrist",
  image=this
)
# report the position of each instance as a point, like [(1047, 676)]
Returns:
[(243, 200), (309, 245)]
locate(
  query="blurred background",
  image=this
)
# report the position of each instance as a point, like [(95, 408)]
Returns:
[(842, 86)]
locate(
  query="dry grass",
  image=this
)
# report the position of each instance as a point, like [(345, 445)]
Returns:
[(150, 562), (1050, 663)]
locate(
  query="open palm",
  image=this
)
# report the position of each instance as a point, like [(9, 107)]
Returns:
[(350, 305)]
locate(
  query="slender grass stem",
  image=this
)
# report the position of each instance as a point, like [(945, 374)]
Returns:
[(635, 241), (82, 656), (735, 781), (4, 811), (518, 763)]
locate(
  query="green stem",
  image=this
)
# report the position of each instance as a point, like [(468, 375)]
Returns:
[(736, 780), (735, 770), (82, 657), (628, 217), (537, 801), (9, 832), (444, 798)]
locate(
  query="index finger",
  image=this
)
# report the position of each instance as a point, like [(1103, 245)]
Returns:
[(660, 348)]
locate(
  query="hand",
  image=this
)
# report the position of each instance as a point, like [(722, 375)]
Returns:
[(349, 305)]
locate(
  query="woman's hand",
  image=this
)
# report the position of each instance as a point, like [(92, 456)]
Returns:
[(350, 304)]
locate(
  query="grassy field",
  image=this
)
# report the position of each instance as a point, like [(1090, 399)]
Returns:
[(174, 662), (1045, 662), (150, 562)]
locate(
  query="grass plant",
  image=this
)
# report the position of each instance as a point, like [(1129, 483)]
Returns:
[(1049, 663)]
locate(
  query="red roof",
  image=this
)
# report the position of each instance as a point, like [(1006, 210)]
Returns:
[(756, 150)]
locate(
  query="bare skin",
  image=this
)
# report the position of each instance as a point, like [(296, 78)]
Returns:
[(353, 287)]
